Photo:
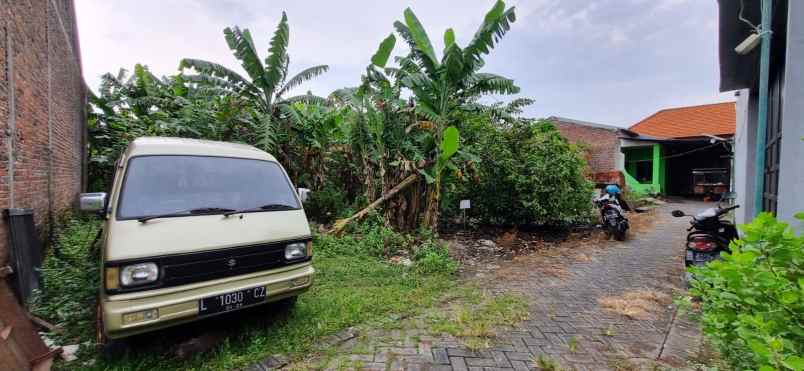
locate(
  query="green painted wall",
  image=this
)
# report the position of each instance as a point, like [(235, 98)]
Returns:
[(653, 153)]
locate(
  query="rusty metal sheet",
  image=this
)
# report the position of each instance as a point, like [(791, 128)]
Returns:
[(23, 334)]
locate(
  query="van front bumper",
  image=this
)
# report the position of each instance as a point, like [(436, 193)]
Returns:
[(176, 305)]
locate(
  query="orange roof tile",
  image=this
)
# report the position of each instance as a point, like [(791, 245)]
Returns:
[(692, 121)]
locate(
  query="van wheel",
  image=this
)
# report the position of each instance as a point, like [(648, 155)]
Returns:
[(287, 303)]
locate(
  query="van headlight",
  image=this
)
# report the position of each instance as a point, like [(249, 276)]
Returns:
[(296, 250), (139, 274)]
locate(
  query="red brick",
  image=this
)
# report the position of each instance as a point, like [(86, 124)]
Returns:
[(49, 110), (601, 145)]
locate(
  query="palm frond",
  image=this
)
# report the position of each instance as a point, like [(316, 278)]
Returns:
[(516, 105), (416, 54), (345, 97), (489, 83), (211, 80), (290, 113), (380, 58), (216, 70), (455, 66), (242, 45), (419, 35), (301, 77), (496, 23), (276, 62), (308, 98)]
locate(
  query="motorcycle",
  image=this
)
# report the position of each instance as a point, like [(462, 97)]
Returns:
[(611, 213), (709, 235)]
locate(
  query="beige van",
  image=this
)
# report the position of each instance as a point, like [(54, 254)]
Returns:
[(194, 229)]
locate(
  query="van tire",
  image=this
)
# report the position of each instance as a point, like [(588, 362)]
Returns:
[(287, 303)]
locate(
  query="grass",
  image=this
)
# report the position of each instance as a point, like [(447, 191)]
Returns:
[(476, 317), (350, 289)]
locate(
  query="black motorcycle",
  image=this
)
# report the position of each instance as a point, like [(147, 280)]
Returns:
[(612, 216), (709, 235)]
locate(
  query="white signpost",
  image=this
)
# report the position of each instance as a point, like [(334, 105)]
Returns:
[(465, 204)]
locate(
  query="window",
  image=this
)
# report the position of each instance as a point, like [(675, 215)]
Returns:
[(163, 184)]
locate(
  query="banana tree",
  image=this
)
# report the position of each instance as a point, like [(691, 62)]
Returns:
[(444, 87), (266, 84)]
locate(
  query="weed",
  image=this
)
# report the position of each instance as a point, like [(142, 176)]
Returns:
[(475, 323), (572, 343), (545, 363), (71, 279)]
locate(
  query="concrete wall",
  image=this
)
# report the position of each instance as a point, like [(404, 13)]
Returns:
[(791, 171), (42, 109), (791, 167)]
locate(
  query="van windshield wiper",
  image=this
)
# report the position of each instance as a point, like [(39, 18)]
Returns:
[(198, 210), (268, 207)]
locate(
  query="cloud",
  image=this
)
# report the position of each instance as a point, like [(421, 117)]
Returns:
[(609, 61)]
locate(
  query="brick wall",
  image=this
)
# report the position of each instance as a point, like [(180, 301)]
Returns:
[(601, 144), (42, 100), (42, 136)]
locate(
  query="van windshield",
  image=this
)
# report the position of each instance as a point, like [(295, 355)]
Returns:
[(155, 185)]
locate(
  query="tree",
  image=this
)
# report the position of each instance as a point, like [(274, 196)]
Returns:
[(444, 88), (267, 83)]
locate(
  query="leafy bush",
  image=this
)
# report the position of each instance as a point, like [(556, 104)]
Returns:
[(753, 299), (433, 257), (71, 279), (325, 205), (373, 239), (370, 237), (528, 173)]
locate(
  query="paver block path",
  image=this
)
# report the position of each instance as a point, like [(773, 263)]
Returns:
[(564, 310)]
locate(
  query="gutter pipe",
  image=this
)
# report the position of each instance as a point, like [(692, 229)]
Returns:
[(762, 119)]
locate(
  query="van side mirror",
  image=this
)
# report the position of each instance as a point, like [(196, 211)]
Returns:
[(677, 213), (304, 194), (92, 202)]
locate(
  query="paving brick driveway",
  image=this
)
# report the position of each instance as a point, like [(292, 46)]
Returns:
[(564, 310)]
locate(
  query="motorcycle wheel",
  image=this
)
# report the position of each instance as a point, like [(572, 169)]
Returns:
[(619, 235)]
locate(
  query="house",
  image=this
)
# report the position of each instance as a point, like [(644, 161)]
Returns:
[(684, 151), (43, 136), (768, 167), (601, 143)]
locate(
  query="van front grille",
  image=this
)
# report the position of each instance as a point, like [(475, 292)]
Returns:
[(183, 269)]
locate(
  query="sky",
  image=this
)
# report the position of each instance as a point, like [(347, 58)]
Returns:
[(613, 62)]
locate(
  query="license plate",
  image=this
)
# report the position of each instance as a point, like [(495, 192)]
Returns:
[(231, 300), (704, 258)]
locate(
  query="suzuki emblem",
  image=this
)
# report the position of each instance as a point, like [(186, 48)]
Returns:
[(231, 263)]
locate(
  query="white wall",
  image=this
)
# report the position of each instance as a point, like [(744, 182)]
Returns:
[(791, 167)]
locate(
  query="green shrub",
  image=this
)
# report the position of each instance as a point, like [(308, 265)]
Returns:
[(71, 279), (370, 237), (325, 205), (433, 257), (753, 299), (373, 239), (528, 173)]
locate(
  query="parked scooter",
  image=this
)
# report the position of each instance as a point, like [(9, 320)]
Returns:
[(611, 213), (709, 234)]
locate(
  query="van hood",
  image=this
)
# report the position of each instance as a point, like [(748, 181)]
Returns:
[(129, 239)]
